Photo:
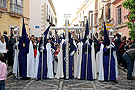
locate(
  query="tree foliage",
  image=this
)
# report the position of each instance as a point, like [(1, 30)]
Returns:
[(130, 4)]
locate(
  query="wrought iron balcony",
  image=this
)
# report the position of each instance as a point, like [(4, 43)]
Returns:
[(3, 7), (16, 10)]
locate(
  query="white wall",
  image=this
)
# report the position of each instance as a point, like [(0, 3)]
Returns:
[(35, 17)]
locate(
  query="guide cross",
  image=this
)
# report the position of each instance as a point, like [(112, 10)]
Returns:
[(66, 28)]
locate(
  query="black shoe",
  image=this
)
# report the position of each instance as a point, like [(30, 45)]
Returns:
[(106, 80), (91, 80), (131, 78), (25, 78), (115, 81)]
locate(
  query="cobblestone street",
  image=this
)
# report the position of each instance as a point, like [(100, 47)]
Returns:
[(73, 84)]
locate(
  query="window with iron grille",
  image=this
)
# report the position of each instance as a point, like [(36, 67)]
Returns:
[(3, 3), (119, 15), (16, 6)]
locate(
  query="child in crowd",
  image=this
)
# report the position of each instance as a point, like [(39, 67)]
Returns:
[(35, 51), (35, 54), (56, 59), (3, 73)]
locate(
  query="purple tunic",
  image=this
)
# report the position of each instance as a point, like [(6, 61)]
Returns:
[(44, 57), (23, 51), (106, 57), (89, 63), (64, 62)]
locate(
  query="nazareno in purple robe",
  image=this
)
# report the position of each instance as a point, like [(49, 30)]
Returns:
[(89, 63), (44, 64), (23, 51), (64, 62), (106, 56), (44, 76), (71, 58)]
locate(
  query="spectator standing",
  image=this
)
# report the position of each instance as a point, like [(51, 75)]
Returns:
[(11, 50), (3, 73), (129, 57), (117, 44), (128, 44), (121, 52), (3, 49), (6, 39)]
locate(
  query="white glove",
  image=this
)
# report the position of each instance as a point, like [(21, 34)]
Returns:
[(16, 44), (87, 41), (66, 40), (72, 53), (42, 48), (110, 47), (53, 51)]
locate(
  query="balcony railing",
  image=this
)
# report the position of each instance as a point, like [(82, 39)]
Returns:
[(3, 6), (16, 8)]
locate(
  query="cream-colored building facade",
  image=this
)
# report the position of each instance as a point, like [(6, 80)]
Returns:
[(85, 12), (42, 13), (96, 12), (12, 13)]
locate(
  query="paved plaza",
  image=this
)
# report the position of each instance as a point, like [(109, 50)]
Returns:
[(72, 84)]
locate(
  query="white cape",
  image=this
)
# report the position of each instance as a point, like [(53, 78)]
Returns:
[(94, 72), (49, 61), (80, 44), (59, 73), (30, 61), (76, 57), (97, 61), (116, 63), (15, 66), (101, 70), (36, 63)]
